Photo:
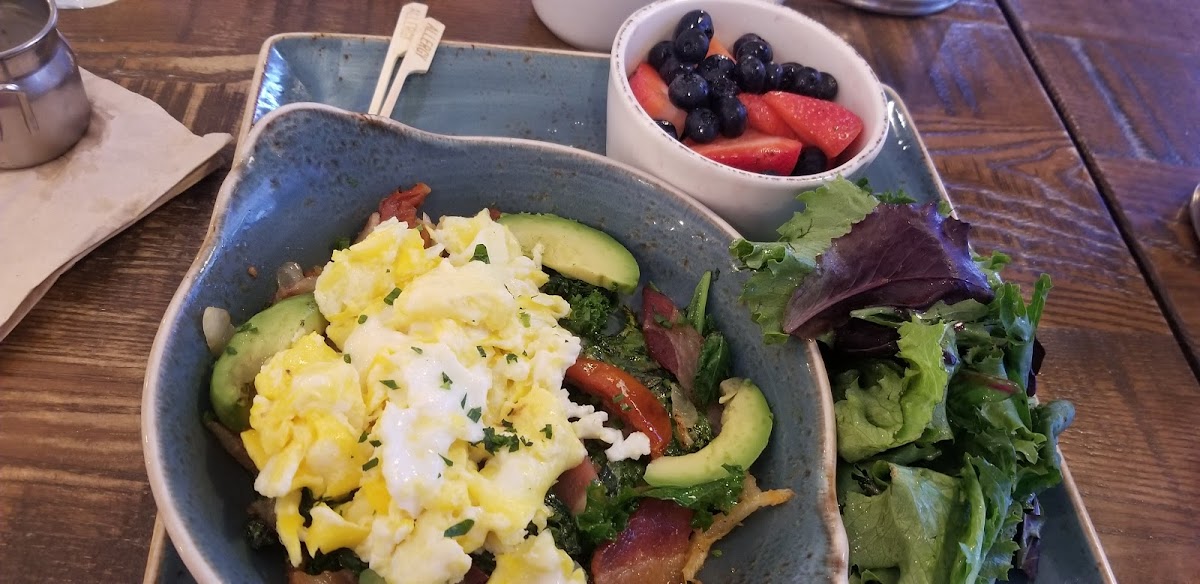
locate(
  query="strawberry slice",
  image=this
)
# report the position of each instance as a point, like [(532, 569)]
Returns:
[(761, 117), (716, 48), (754, 152), (651, 93), (824, 124), (651, 550)]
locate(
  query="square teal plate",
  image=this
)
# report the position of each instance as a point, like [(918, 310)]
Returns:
[(559, 96)]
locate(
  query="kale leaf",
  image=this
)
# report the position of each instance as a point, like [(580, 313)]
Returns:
[(720, 495), (591, 306), (604, 517)]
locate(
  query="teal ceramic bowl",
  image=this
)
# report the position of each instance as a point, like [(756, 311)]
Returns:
[(311, 174)]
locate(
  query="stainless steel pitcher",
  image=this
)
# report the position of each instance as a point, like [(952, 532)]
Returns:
[(43, 108)]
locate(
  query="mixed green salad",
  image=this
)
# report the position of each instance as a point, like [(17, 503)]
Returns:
[(943, 448)]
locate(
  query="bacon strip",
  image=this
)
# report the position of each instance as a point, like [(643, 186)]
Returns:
[(675, 346), (572, 485), (651, 550)]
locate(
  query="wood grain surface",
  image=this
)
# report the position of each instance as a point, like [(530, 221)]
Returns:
[(1125, 78), (74, 502)]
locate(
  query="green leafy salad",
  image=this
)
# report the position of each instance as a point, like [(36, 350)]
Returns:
[(943, 448)]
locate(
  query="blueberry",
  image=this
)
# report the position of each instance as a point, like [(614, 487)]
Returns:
[(774, 74), (672, 68), (691, 45), (732, 115), (702, 125), (805, 82), (688, 91), (812, 161), (787, 75), (715, 66), (668, 127), (697, 19), (723, 87), (737, 45), (827, 86), (751, 74), (759, 49), (660, 52)]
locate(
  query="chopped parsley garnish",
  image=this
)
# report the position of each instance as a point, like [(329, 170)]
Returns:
[(362, 438), (374, 462), (482, 353), (247, 327), (474, 413), (525, 319), (375, 443), (346, 357), (525, 442), (391, 297), (417, 350), (460, 528), (447, 461), (463, 403), (481, 254), (626, 407), (494, 442), (510, 358), (341, 242), (620, 397), (548, 431), (229, 350), (446, 381), (362, 318), (507, 425), (390, 383)]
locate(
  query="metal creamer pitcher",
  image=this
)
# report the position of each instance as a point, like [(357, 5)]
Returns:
[(43, 108)]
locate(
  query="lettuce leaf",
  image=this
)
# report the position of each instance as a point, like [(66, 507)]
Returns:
[(880, 408), (912, 525), (901, 256), (780, 266)]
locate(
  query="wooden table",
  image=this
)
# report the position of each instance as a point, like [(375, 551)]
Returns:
[(1066, 133)]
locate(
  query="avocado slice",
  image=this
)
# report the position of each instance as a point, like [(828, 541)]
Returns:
[(745, 428), (576, 250), (266, 333)]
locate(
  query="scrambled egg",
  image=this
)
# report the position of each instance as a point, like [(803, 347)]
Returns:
[(441, 423)]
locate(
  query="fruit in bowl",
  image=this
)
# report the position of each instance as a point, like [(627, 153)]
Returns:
[(813, 112), (743, 109)]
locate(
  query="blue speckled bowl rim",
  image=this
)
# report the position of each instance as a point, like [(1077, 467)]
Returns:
[(837, 558)]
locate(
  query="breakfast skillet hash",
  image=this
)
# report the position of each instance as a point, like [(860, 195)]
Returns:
[(468, 401)]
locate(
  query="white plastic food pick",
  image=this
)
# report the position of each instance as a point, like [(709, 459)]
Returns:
[(415, 61), (407, 26)]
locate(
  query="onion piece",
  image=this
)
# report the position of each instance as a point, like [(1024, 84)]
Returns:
[(288, 275), (218, 328)]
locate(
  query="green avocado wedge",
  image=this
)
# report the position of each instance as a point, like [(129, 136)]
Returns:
[(266, 333), (576, 250), (745, 428)]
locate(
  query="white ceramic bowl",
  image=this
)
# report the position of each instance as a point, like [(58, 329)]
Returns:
[(588, 24), (755, 204)]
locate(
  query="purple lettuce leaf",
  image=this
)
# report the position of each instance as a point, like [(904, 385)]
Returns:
[(899, 255)]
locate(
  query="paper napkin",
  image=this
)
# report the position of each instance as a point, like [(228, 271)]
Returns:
[(134, 158)]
